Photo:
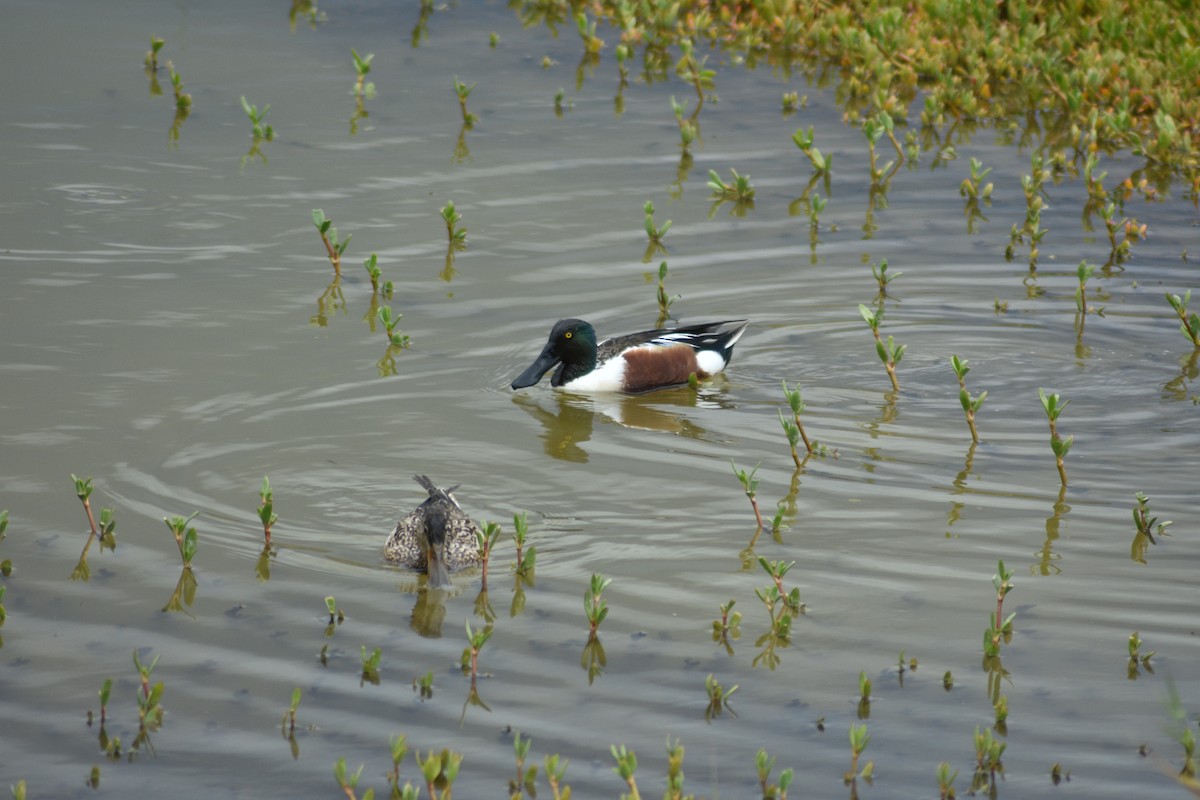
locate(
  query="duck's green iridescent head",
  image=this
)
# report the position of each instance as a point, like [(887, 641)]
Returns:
[(572, 344)]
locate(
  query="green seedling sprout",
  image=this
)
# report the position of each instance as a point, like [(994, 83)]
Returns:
[(486, 540), (526, 559), (945, 779), (1189, 322), (790, 103), (370, 665), (439, 768), (559, 96), (555, 768), (675, 771), (594, 605), (378, 285), (463, 92), (183, 100), (362, 66), (815, 208), (105, 691), (289, 717), (1084, 271), (423, 684), (457, 235), (266, 509), (329, 237), (348, 783), (804, 140), (1001, 709), (988, 752), (859, 739), (1054, 406), (1181, 731), (399, 749), (587, 34), (889, 353), (1147, 526), (793, 428), (665, 301), (1031, 186), (739, 190), (947, 680), (874, 128), (687, 127), (186, 537), (973, 187), (750, 487), (626, 767), (258, 130), (882, 278), (777, 570), (971, 405), (728, 627), (1001, 626), (764, 763), (654, 233), (391, 321), (1135, 653), (18, 791), (150, 713), (156, 44), (718, 698), (526, 780), (475, 642), (102, 531), (693, 71)]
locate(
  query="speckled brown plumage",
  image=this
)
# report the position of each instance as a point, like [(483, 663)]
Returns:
[(414, 534)]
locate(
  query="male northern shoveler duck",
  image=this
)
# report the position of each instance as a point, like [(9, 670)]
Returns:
[(436, 536), (639, 362)]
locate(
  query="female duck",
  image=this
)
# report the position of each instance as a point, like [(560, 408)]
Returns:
[(436, 536), (638, 362)]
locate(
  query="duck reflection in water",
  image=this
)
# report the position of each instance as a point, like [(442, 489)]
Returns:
[(568, 418)]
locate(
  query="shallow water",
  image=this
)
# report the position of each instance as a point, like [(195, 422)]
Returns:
[(163, 333)]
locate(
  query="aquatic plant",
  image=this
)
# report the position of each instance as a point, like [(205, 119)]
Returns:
[(1181, 730), (859, 739), (594, 605), (451, 217), (183, 100), (739, 190), (370, 664), (1083, 272), (1035, 202), (555, 769), (791, 103), (336, 615), (390, 322), (1135, 653), (626, 767), (874, 128), (945, 779), (186, 537), (439, 768), (693, 71), (462, 91), (718, 698), (793, 428), (763, 764), (526, 780), (334, 247), (348, 782), (587, 33), (655, 233), (988, 757), (1002, 581), (1061, 446), (156, 44), (150, 712), (1147, 528), (258, 129), (665, 301), (864, 696), (362, 66), (750, 487), (424, 685), (266, 509), (486, 540), (559, 96), (804, 140), (18, 790), (728, 626), (891, 353), (104, 693), (475, 642), (973, 187), (882, 279), (399, 749), (526, 560), (1000, 707), (688, 129), (971, 404), (1189, 322), (675, 771)]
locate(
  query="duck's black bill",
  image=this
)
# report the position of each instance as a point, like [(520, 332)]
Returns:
[(536, 370)]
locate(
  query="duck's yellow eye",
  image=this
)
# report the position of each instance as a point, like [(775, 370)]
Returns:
[(567, 335)]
